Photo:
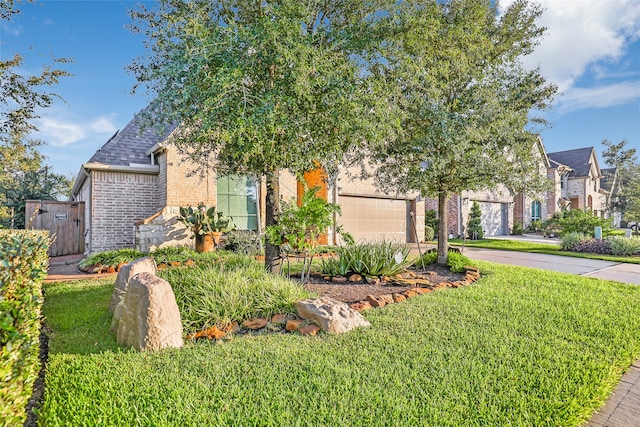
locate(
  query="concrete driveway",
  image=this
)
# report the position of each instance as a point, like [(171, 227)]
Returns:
[(621, 272)]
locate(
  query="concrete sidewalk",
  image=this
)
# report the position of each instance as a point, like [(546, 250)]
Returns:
[(607, 270)]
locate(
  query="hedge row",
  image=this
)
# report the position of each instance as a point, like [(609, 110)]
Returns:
[(23, 266)]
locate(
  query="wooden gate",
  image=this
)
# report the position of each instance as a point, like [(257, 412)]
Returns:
[(64, 220)]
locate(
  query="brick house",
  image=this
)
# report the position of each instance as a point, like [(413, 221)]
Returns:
[(135, 183), (575, 180), (581, 186)]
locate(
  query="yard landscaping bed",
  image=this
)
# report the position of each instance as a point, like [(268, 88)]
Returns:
[(351, 292), (520, 347)]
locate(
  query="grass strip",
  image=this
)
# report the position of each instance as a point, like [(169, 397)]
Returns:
[(519, 347), (539, 248)]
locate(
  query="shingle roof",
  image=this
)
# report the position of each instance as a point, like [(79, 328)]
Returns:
[(577, 159), (130, 144), (608, 178)]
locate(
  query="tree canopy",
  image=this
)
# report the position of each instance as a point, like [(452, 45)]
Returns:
[(464, 101), (626, 162), (23, 97), (259, 87)]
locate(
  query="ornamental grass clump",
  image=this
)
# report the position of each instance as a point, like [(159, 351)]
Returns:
[(624, 246), (235, 290), (112, 258), (571, 240), (374, 259)]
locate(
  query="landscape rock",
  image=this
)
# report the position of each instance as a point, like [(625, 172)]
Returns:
[(125, 273), (278, 318), (331, 315), (355, 278), (338, 279), (361, 305), (309, 330), (150, 317), (255, 323), (398, 298), (293, 325)]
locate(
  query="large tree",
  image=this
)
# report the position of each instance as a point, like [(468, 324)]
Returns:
[(23, 97), (463, 99), (626, 162), (258, 87)]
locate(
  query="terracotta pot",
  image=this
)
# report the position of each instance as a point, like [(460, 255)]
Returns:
[(204, 242), (216, 237)]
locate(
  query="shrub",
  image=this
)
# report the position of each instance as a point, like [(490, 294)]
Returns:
[(593, 246), (517, 229), (580, 221), (474, 231), (455, 260), (243, 242), (431, 220), (624, 246), (236, 290), (429, 233), (376, 258), (571, 240), (23, 266), (535, 226)]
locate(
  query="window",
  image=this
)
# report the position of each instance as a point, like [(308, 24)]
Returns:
[(535, 210), (237, 198)]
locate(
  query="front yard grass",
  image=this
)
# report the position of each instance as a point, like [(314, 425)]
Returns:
[(519, 347), (538, 248)]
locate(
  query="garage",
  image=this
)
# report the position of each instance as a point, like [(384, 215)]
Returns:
[(494, 218), (370, 218)]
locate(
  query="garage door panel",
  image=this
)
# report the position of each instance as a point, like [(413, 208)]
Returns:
[(492, 218), (368, 218)]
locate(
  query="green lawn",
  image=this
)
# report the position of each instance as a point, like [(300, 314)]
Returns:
[(539, 248), (519, 347)]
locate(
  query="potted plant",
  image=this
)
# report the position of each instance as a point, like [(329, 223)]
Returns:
[(207, 225)]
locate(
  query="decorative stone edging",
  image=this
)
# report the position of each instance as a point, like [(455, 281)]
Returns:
[(471, 275), (293, 323)]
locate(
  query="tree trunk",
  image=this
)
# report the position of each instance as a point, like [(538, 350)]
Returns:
[(443, 229), (272, 210)]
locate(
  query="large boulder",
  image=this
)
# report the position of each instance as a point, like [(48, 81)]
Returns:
[(331, 315), (125, 273), (150, 319)]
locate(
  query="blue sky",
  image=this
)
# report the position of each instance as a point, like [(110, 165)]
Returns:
[(591, 51)]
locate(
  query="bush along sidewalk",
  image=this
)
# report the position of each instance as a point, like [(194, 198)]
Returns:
[(23, 266)]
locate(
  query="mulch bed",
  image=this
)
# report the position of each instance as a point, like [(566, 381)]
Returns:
[(357, 291)]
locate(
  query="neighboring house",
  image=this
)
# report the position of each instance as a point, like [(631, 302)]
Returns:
[(576, 182), (581, 186), (499, 207), (134, 185)]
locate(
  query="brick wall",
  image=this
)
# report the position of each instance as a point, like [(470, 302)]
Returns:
[(453, 225), (119, 200), (184, 186), (518, 208)]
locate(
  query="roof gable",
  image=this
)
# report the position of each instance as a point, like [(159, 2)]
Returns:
[(128, 146), (580, 160)]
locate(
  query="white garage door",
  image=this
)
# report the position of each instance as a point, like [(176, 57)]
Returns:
[(493, 218), (373, 219)]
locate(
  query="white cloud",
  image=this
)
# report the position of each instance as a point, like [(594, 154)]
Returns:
[(599, 97), (11, 29), (103, 124), (62, 133), (581, 33)]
